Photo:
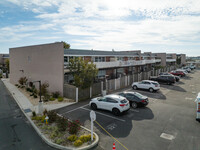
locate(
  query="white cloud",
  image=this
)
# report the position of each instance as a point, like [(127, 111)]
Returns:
[(107, 24)]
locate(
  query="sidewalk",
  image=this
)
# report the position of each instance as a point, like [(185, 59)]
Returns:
[(24, 102)]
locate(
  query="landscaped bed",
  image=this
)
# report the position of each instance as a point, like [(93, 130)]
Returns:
[(61, 131)]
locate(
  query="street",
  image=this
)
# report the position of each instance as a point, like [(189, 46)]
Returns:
[(15, 131)]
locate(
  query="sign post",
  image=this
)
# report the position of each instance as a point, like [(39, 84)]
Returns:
[(93, 118)]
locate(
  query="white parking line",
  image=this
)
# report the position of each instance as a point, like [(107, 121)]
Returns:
[(104, 114), (75, 109)]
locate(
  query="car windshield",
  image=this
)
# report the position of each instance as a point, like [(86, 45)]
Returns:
[(138, 95), (123, 101)]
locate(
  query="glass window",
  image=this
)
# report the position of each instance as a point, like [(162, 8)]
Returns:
[(110, 100)]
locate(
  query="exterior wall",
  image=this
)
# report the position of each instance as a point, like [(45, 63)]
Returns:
[(39, 62), (183, 59), (163, 58), (1, 59)]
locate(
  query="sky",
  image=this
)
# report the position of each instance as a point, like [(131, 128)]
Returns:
[(171, 26)]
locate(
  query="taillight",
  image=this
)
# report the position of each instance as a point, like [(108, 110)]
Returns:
[(143, 101), (122, 105), (156, 85)]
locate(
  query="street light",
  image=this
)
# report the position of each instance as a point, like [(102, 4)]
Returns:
[(40, 105)]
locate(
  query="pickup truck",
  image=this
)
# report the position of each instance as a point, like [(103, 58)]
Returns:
[(164, 79)]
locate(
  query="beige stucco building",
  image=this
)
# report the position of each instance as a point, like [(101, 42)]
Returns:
[(39, 62)]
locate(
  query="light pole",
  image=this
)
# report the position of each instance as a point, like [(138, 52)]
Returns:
[(40, 104)]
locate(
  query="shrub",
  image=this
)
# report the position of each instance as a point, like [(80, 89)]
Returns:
[(45, 112), (55, 94), (22, 80), (54, 134), (52, 99), (39, 118), (74, 127), (78, 143), (35, 96), (28, 89), (60, 99), (62, 123), (86, 138), (46, 97), (59, 141), (33, 113), (52, 116), (72, 138), (44, 87), (16, 84)]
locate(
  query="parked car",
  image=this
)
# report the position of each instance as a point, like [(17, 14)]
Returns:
[(166, 73), (187, 69), (184, 71), (178, 73), (135, 99), (147, 85), (114, 103), (164, 79), (192, 67)]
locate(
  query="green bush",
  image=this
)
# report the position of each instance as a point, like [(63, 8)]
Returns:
[(35, 96), (23, 81), (62, 123), (86, 138), (59, 141), (74, 127), (72, 138), (52, 116), (54, 134), (28, 89), (55, 94), (52, 99), (39, 118), (16, 84), (33, 113), (78, 143), (45, 112), (60, 99), (46, 97)]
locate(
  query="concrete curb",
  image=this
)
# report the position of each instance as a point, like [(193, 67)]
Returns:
[(47, 141)]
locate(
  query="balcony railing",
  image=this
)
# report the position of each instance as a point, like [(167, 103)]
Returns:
[(112, 64), (170, 60)]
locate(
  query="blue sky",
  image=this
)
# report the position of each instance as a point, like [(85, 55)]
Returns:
[(171, 26)]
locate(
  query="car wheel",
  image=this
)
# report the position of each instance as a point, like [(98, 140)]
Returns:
[(151, 90), (116, 111), (93, 106), (135, 87), (134, 104)]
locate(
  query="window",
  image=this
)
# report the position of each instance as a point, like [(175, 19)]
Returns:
[(110, 100), (146, 83), (121, 94)]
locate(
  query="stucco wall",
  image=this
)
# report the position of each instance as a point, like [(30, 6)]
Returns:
[(163, 58), (40, 62), (183, 59)]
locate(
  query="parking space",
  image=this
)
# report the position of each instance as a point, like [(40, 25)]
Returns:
[(166, 123)]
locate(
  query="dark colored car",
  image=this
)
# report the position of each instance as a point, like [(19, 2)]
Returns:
[(135, 99), (178, 73), (166, 73), (164, 79)]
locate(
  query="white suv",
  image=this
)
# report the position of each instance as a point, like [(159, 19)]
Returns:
[(147, 85), (114, 103)]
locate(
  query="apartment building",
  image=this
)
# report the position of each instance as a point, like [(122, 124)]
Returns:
[(3, 58), (49, 63), (111, 64)]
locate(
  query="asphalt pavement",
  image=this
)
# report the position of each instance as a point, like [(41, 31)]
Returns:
[(167, 123), (15, 131)]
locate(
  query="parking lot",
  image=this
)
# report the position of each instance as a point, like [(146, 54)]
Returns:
[(168, 122)]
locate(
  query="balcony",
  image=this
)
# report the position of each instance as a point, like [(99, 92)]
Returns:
[(114, 64), (170, 60)]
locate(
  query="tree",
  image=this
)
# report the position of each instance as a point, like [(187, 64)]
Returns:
[(7, 63), (66, 45), (83, 72)]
